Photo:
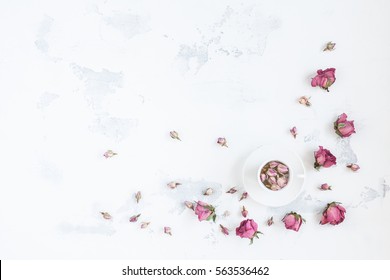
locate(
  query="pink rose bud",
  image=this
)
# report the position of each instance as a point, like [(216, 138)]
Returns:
[(263, 177), (304, 101), (329, 46), (343, 127), (222, 141), (326, 187), (209, 191), (248, 229), (106, 215), (271, 172), (224, 230), (273, 164), (134, 218), (244, 196), (144, 224), (168, 230), (282, 182), (232, 190), (270, 221), (205, 211), (294, 132), (174, 135), (109, 154), (333, 214), (272, 180), (244, 212), (324, 78), (189, 205), (293, 221), (353, 166), (138, 196), (173, 185), (324, 158), (282, 168)]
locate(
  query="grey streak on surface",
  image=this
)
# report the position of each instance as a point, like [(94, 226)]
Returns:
[(344, 152), (46, 99), (44, 29)]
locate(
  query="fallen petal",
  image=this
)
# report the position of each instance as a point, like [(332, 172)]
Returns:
[(244, 196), (270, 221), (304, 101), (329, 46)]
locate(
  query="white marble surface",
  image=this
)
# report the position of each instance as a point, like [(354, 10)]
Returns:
[(80, 77)]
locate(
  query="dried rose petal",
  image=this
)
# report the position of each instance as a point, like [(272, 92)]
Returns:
[(232, 190), (243, 196), (224, 230), (145, 224), (168, 230), (226, 213), (329, 46), (174, 135), (173, 185), (353, 166), (244, 212), (270, 221), (189, 205), (109, 154), (106, 215), (134, 218), (222, 141), (282, 168), (304, 101), (209, 191), (282, 182), (325, 187), (271, 172), (294, 132), (138, 196)]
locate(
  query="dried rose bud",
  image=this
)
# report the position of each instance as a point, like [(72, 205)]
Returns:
[(294, 132), (329, 46), (273, 164), (134, 218), (173, 185), (209, 191), (282, 168), (168, 230), (138, 196), (226, 213), (263, 177), (174, 135), (243, 196), (109, 154), (232, 190), (106, 215), (244, 212), (189, 205), (282, 182), (222, 141), (224, 230), (325, 187), (353, 166), (145, 224), (270, 221), (304, 101), (271, 172)]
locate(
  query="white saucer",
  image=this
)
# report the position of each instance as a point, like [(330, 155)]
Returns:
[(259, 192)]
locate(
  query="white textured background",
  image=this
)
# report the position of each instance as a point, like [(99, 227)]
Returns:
[(80, 77)]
